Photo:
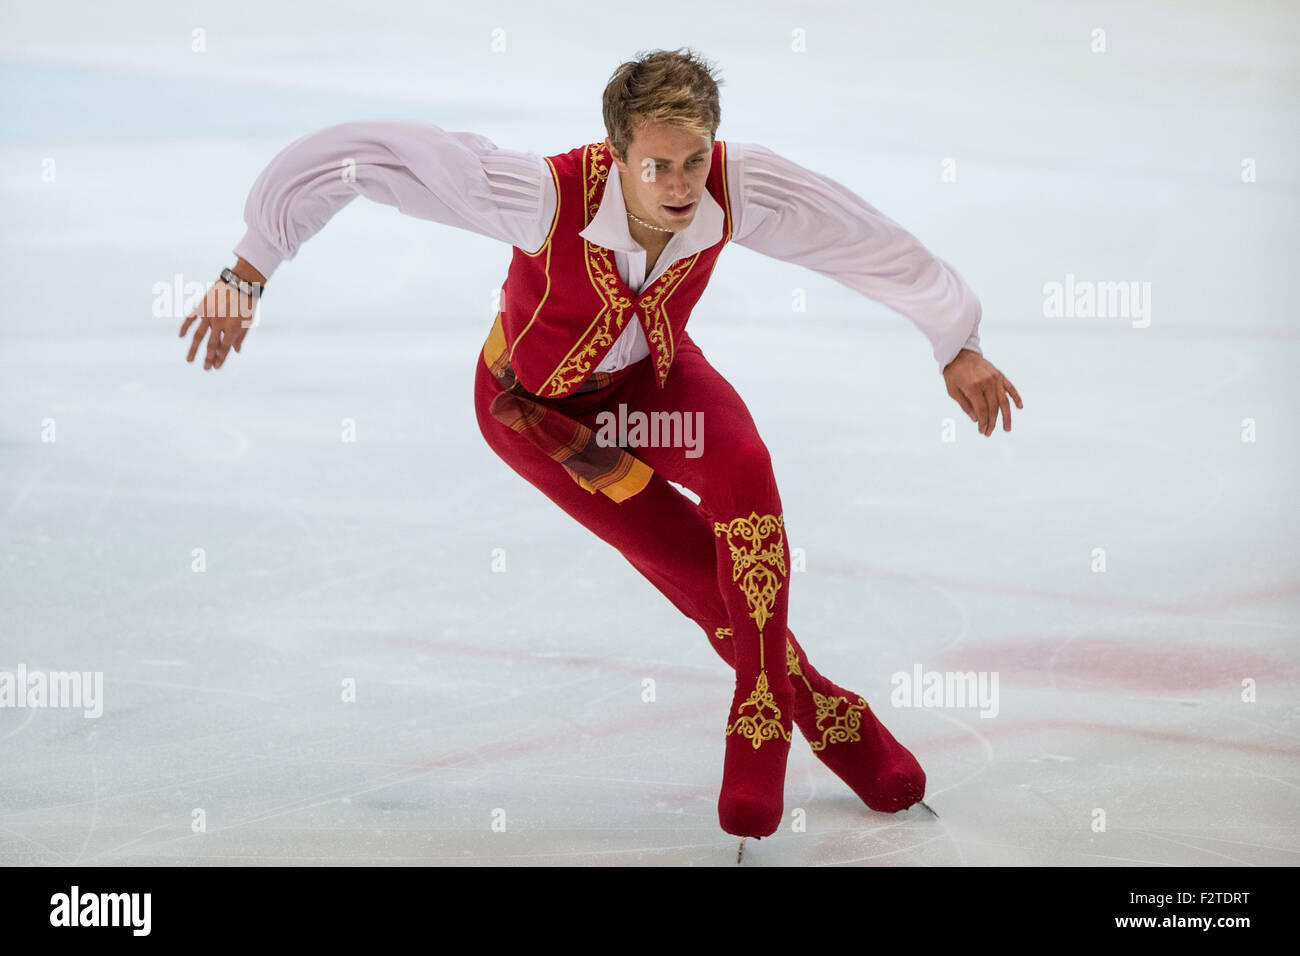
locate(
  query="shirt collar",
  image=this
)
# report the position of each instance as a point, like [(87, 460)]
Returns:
[(608, 228)]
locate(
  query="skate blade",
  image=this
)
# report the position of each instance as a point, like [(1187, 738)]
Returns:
[(927, 806), (741, 851)]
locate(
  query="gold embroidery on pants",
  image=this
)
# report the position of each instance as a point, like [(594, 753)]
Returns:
[(792, 664), (758, 564), (757, 561), (722, 632), (845, 726), (759, 726)]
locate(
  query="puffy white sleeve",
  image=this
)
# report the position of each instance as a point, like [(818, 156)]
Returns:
[(460, 179), (796, 215)]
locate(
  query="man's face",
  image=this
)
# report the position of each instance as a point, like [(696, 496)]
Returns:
[(663, 174)]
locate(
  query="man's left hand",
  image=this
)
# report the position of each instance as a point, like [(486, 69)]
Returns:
[(981, 390)]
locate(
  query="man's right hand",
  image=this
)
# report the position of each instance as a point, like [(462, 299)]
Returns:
[(225, 312)]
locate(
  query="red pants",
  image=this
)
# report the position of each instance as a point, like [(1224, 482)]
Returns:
[(737, 578), (724, 563)]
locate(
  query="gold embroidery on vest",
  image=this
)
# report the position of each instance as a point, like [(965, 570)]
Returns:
[(597, 173), (602, 272), (758, 561), (726, 197), (759, 726), (603, 275), (546, 247), (653, 311), (846, 725)]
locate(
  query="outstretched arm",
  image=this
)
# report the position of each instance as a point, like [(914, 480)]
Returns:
[(799, 216), (457, 178)]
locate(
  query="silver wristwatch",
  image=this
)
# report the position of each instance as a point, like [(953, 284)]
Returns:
[(253, 289)]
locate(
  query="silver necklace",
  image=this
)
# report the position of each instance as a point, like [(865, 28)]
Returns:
[(649, 225)]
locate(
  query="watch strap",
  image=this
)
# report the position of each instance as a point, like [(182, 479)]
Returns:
[(253, 289)]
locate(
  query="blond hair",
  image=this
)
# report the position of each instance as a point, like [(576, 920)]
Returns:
[(676, 87)]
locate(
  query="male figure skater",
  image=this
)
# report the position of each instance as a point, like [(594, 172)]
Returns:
[(613, 244)]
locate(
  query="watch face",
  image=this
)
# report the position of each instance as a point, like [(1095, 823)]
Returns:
[(247, 288)]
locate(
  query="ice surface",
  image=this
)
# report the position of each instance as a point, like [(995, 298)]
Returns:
[(522, 691)]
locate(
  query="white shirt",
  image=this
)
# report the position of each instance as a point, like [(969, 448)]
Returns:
[(462, 179)]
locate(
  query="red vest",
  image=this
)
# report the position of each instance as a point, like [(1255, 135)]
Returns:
[(565, 305)]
